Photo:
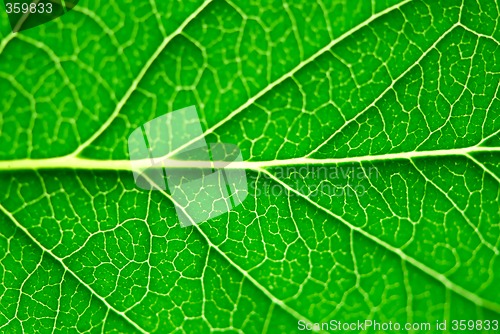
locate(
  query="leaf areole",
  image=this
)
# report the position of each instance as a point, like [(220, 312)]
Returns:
[(27, 14)]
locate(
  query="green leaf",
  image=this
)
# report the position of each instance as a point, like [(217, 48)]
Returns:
[(370, 137)]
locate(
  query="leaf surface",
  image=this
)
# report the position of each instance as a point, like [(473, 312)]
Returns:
[(370, 133)]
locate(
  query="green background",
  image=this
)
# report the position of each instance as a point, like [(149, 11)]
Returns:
[(407, 88)]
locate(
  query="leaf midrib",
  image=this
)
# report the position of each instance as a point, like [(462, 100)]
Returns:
[(77, 163)]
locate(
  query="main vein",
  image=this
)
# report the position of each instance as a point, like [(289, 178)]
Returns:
[(78, 163)]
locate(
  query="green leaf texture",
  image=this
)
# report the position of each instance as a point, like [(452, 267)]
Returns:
[(404, 92)]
